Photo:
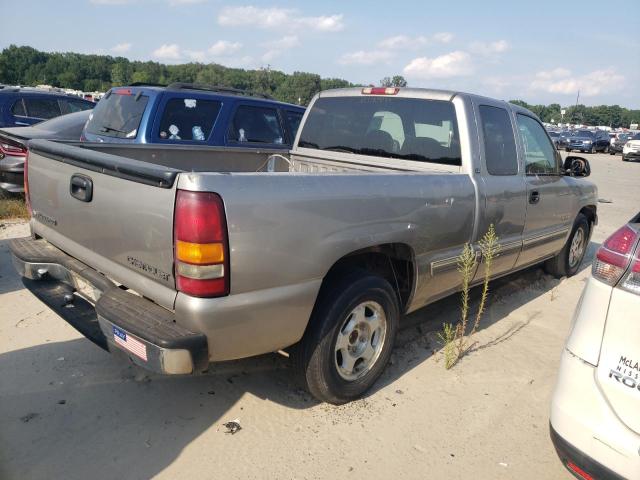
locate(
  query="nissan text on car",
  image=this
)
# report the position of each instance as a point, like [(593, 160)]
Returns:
[(231, 253), (595, 413)]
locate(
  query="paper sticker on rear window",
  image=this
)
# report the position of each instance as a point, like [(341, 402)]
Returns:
[(190, 102)]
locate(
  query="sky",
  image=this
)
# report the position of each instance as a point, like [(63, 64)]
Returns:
[(538, 51)]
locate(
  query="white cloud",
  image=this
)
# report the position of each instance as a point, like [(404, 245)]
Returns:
[(561, 81), (178, 3), (363, 57), (443, 37), (490, 48), (121, 48), (281, 18), (452, 64), (276, 48), (167, 52), (400, 42), (223, 48)]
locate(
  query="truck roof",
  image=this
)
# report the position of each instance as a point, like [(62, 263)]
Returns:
[(426, 93)]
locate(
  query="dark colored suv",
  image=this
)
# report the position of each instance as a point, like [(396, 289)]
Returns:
[(21, 107), (193, 114), (591, 141)]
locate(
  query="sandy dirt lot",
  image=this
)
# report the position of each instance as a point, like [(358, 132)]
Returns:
[(71, 411)]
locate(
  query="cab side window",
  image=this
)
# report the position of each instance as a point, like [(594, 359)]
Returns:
[(539, 153), (499, 143)]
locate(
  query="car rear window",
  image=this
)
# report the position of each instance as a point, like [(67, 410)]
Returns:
[(255, 125), (18, 108), (188, 119), (403, 128), (42, 107), (118, 115)]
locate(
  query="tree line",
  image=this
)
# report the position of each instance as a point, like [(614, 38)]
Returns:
[(28, 66)]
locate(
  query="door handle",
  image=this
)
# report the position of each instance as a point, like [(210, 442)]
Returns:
[(534, 197), (81, 187)]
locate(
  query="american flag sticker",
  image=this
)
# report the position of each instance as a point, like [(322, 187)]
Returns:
[(129, 343)]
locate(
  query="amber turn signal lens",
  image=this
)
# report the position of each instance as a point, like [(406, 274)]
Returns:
[(199, 253)]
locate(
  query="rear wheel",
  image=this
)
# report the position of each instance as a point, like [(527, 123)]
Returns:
[(567, 262), (592, 149), (349, 339)]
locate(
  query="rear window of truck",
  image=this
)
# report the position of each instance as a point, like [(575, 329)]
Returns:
[(403, 128), (118, 115)]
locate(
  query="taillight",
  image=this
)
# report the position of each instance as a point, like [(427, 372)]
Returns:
[(631, 281), (614, 256), (201, 245), (122, 91), (27, 199), (15, 150), (380, 90)]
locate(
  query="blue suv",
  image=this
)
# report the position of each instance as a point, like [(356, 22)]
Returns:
[(24, 106), (185, 113)]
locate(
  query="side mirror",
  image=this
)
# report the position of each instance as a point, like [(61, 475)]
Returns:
[(576, 166)]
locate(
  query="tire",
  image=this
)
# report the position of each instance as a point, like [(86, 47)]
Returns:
[(324, 370), (624, 159), (567, 262), (592, 149), (606, 149), (611, 152)]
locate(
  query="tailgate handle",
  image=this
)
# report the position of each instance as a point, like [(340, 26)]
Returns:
[(81, 187)]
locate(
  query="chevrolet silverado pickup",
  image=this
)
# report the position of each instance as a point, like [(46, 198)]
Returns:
[(178, 256)]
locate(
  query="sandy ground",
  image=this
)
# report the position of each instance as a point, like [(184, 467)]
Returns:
[(69, 410)]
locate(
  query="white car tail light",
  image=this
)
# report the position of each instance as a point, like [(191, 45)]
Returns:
[(631, 281), (614, 256)]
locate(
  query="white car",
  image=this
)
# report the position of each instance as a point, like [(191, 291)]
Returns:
[(631, 149), (595, 411)]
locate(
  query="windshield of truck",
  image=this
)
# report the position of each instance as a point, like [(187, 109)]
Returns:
[(118, 115), (403, 128)]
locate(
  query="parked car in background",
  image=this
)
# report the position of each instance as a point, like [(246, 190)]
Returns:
[(13, 145), (589, 141), (192, 114), (618, 142), (24, 106), (595, 420), (555, 137), (631, 149), (363, 223), (563, 139)]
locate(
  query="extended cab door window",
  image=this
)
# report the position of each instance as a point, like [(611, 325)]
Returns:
[(44, 108), (499, 142), (252, 124), (188, 119), (18, 109), (539, 154)]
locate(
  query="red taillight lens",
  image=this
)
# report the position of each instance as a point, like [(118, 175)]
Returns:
[(578, 471), (27, 198), (614, 256), (15, 150), (201, 245), (122, 91), (380, 90)]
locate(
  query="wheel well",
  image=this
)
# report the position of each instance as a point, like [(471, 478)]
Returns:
[(590, 212), (394, 262)]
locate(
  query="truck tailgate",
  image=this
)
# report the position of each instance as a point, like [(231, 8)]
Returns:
[(123, 229)]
